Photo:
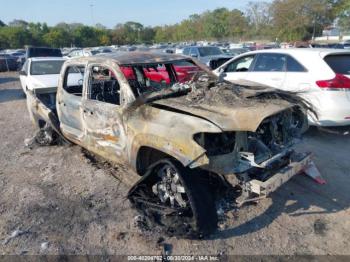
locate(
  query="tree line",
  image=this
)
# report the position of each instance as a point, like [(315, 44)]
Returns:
[(281, 20)]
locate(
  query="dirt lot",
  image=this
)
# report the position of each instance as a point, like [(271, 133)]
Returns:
[(63, 204)]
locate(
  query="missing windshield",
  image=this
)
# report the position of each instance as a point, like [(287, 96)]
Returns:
[(149, 78)]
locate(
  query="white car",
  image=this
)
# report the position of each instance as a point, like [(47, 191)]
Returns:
[(41, 73), (81, 53), (321, 76)]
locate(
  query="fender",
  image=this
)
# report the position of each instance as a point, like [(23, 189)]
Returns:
[(186, 153)]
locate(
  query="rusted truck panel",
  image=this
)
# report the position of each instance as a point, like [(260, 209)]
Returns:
[(175, 134)]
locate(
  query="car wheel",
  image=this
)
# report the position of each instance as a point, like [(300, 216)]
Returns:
[(174, 197), (46, 136)]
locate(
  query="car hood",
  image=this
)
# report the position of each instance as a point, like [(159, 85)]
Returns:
[(235, 118), (43, 81)]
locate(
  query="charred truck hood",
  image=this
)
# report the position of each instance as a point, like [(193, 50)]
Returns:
[(228, 138), (224, 117)]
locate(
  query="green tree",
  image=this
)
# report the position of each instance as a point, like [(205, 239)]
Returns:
[(37, 33), (342, 11), (57, 37), (14, 37), (260, 19), (300, 19), (18, 23)]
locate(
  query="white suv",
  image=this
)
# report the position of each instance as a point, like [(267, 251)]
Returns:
[(322, 76)]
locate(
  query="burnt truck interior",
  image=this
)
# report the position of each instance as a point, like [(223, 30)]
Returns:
[(147, 78), (180, 197), (104, 86)]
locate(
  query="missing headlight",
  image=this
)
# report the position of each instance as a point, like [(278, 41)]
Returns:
[(216, 143)]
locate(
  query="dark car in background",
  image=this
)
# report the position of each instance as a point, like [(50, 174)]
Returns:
[(42, 52), (234, 51), (211, 56), (20, 55), (8, 63)]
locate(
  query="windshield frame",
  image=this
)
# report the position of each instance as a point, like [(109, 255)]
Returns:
[(145, 98)]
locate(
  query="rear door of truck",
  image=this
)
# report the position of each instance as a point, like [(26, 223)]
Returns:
[(69, 100)]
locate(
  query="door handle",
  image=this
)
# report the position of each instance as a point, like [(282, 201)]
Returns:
[(276, 79)]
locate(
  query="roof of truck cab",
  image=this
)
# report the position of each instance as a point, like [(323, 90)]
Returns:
[(131, 58)]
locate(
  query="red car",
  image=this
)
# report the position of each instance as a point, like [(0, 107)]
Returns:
[(184, 71)]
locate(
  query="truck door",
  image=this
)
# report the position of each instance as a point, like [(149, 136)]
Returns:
[(69, 99), (102, 113)]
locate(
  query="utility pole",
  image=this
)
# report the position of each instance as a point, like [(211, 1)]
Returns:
[(92, 14), (314, 29)]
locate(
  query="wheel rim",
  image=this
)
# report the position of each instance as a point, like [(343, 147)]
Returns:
[(170, 189)]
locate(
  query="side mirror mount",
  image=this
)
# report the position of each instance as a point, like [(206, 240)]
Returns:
[(194, 55), (22, 73)]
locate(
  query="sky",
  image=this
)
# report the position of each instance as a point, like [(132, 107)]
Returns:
[(110, 12)]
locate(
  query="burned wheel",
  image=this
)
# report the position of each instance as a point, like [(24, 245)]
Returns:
[(170, 189), (46, 136), (174, 197)]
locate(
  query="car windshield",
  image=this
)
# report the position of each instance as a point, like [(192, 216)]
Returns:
[(209, 51), (149, 78), (46, 67)]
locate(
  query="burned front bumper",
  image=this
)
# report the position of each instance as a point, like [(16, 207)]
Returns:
[(296, 166), (254, 189)]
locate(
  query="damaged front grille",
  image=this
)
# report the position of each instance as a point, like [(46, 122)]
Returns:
[(238, 152), (272, 140), (277, 132)]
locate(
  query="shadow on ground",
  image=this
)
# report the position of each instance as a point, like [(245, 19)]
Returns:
[(302, 192), (4, 80), (7, 95)]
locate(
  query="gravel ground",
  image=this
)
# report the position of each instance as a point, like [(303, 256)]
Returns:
[(54, 200)]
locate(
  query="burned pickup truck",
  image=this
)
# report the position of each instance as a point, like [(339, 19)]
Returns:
[(179, 127)]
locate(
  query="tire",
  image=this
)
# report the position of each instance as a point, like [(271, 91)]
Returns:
[(46, 136), (197, 219)]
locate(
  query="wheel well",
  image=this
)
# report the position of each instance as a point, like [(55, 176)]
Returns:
[(148, 156)]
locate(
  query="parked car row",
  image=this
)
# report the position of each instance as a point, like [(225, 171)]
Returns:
[(8, 63), (321, 76), (13, 60)]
